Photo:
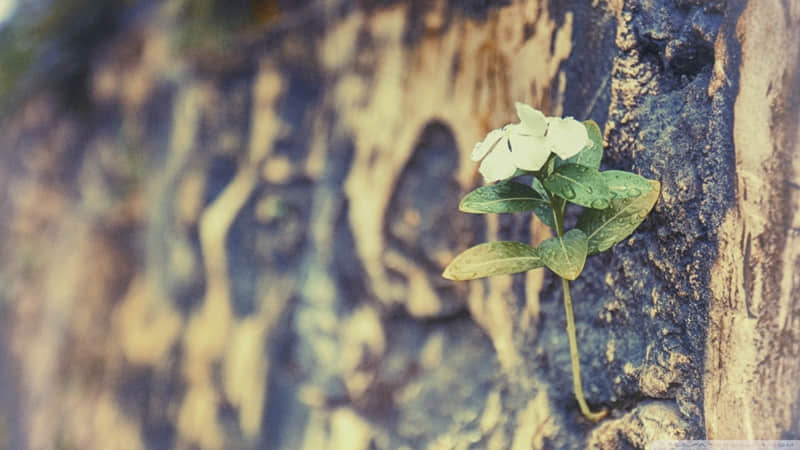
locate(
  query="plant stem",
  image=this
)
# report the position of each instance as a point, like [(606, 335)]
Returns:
[(577, 383)]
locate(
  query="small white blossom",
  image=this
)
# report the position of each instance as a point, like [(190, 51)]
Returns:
[(528, 144), (567, 136)]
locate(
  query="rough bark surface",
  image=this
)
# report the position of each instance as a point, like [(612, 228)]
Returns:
[(240, 245), (753, 356)]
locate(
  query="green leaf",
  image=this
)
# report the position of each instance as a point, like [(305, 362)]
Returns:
[(504, 197), (565, 255), (543, 212), (518, 173), (537, 186), (625, 184), (591, 155), (580, 185), (493, 258), (549, 165), (606, 228)]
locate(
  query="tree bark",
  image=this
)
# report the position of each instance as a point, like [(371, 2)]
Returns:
[(753, 356)]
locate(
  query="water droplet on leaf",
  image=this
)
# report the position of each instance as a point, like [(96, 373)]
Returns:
[(599, 204), (569, 192)]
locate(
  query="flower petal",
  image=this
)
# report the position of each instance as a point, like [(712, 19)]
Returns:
[(498, 164), (567, 137), (529, 152), (532, 118), (482, 148)]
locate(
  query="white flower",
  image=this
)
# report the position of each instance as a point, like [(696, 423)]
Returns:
[(528, 144)]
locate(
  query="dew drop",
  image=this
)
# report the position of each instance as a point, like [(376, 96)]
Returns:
[(589, 190), (599, 204), (635, 192), (569, 192)]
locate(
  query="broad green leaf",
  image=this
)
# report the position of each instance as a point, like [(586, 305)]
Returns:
[(565, 255), (504, 197), (543, 212), (625, 184), (591, 155), (493, 258), (537, 186), (580, 185), (607, 227)]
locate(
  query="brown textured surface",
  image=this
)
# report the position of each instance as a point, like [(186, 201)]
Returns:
[(751, 381), (242, 248)]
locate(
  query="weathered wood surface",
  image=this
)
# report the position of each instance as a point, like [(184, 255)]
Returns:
[(241, 248), (752, 380)]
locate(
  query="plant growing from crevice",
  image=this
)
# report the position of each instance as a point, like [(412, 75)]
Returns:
[(563, 157)]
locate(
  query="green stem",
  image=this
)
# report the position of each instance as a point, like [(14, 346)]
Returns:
[(577, 383)]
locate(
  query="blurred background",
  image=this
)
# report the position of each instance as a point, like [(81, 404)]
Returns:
[(223, 223)]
